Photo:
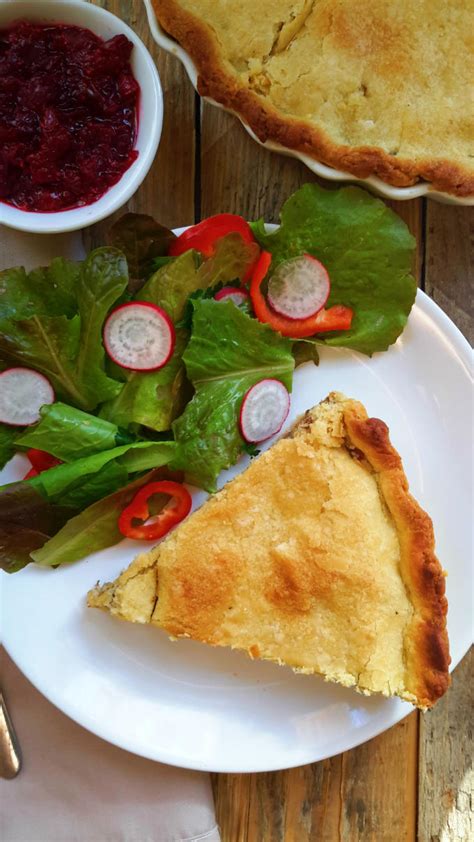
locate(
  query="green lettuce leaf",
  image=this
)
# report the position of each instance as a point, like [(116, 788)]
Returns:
[(210, 292), (228, 353), (154, 399), (367, 250), (93, 529), (49, 290), (172, 285), (65, 346), (7, 439), (82, 491), (89, 480), (48, 344), (230, 261), (53, 530), (305, 350), (159, 262), (69, 433), (104, 277)]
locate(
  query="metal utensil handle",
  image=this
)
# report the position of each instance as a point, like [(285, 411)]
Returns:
[(10, 754)]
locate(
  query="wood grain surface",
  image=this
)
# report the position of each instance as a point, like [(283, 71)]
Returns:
[(414, 782)]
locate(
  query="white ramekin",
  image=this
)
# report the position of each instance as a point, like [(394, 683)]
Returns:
[(150, 118)]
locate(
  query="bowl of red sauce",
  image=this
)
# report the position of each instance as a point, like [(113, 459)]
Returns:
[(81, 113)]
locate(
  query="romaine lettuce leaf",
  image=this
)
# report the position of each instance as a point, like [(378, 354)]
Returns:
[(60, 481), (82, 491), (367, 250), (80, 483), (54, 530), (69, 433), (228, 353)]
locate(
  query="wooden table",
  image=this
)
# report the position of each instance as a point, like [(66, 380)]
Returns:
[(413, 781)]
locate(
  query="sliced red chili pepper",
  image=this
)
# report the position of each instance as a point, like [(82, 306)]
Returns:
[(41, 461), (139, 509), (337, 317), (204, 235)]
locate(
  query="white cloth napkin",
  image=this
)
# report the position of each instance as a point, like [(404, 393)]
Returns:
[(74, 787)]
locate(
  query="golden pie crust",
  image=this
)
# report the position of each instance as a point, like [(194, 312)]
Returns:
[(381, 88), (316, 556)]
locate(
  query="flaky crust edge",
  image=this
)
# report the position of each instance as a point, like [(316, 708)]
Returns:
[(218, 83), (426, 644)]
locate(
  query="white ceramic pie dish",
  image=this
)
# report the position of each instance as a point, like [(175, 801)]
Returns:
[(150, 116), (376, 185)]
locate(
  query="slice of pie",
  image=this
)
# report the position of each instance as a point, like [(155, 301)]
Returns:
[(316, 556), (373, 88)]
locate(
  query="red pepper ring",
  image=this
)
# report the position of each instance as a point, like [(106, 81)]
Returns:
[(139, 509), (203, 236), (337, 317)]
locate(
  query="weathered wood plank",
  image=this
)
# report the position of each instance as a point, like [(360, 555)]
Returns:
[(239, 176), (167, 192), (379, 787), (365, 795), (232, 794), (449, 270), (446, 775), (299, 805)]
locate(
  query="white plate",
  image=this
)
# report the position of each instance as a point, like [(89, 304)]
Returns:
[(376, 185), (191, 705)]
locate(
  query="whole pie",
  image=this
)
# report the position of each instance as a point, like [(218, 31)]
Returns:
[(373, 88), (316, 556)]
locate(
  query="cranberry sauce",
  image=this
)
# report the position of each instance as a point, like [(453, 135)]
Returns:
[(68, 115)]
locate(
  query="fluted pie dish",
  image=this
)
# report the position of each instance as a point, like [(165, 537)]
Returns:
[(378, 91)]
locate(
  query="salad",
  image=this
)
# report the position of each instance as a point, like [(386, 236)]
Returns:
[(161, 359)]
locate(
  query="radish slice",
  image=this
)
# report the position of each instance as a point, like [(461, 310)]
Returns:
[(238, 296), (139, 336), (264, 409), (299, 288), (22, 394)]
